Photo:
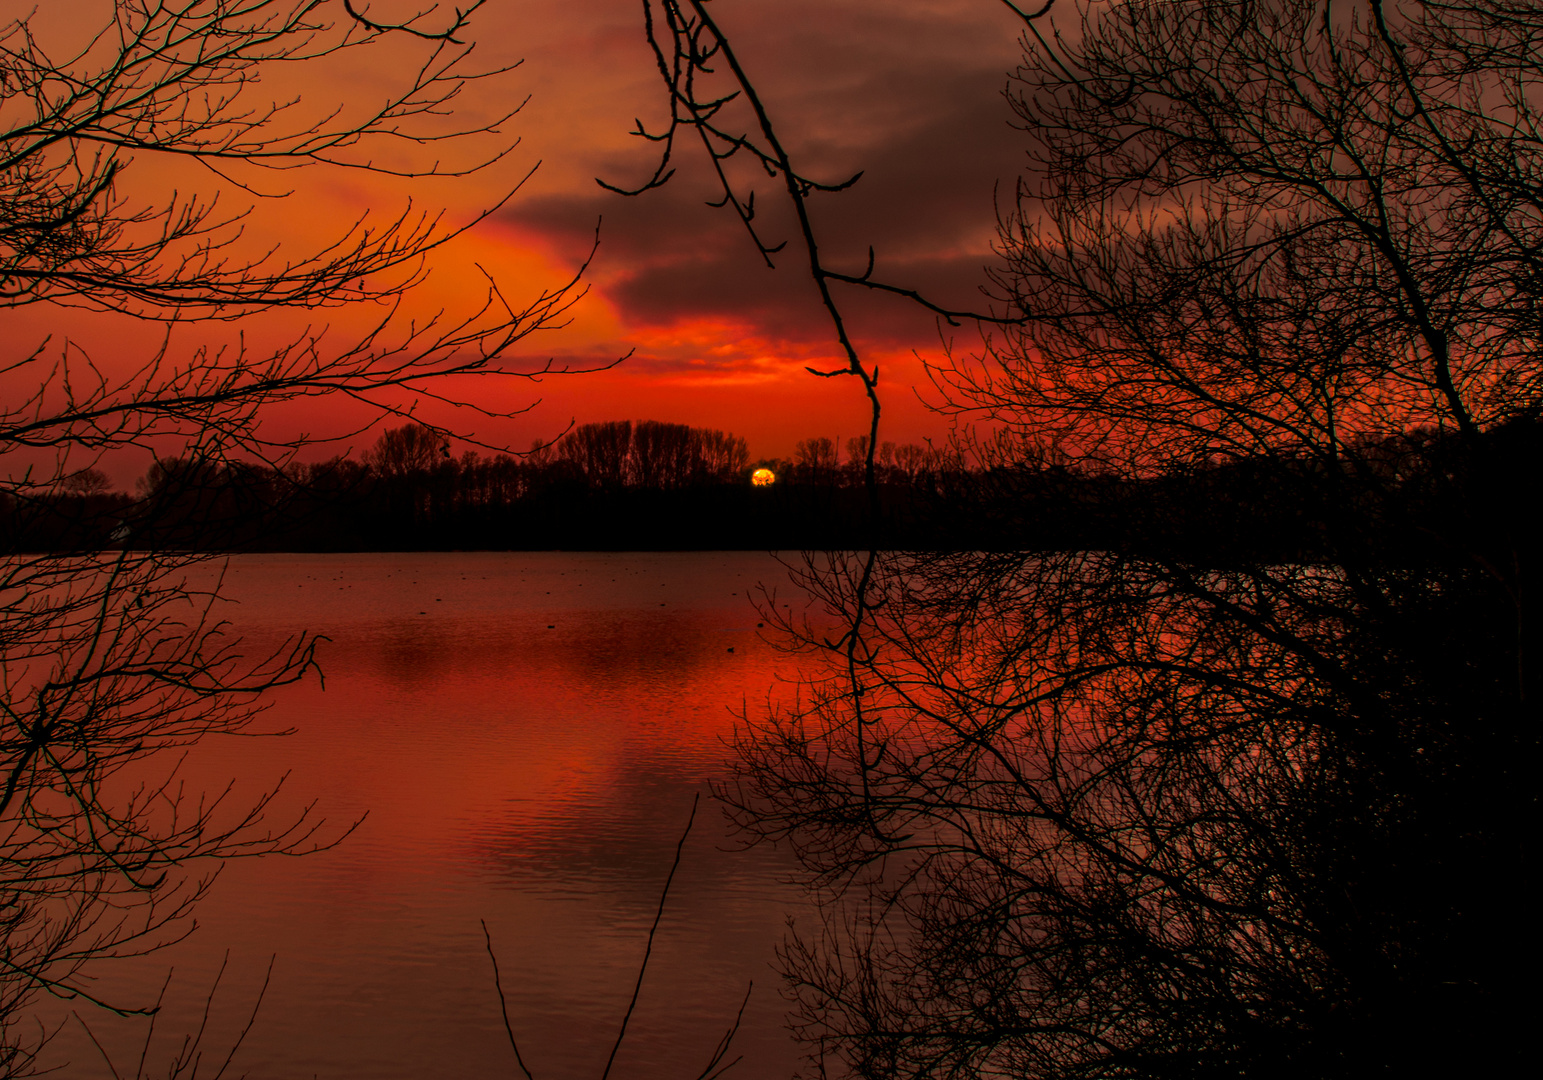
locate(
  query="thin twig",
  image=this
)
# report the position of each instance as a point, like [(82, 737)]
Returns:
[(503, 1005), (713, 1069), (652, 930)]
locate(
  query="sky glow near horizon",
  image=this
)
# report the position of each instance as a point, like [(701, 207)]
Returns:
[(910, 93)]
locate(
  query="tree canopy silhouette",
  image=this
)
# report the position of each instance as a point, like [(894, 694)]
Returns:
[(1170, 808)]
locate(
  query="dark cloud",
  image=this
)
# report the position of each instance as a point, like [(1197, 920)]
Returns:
[(909, 94)]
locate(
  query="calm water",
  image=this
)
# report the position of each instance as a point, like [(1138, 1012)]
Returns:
[(522, 735)]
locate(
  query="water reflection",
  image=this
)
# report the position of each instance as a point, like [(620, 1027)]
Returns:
[(519, 737)]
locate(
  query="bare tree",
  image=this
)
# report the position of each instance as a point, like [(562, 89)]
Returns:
[(113, 657), (1142, 811), (412, 449), (652, 454), (725, 456), (599, 451), (816, 459)]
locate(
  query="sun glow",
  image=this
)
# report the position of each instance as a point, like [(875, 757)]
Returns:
[(763, 478)]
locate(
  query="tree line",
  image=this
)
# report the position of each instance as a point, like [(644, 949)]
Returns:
[(608, 484), (647, 484)]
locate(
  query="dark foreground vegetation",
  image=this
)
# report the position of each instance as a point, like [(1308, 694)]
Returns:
[(111, 660), (1218, 757)]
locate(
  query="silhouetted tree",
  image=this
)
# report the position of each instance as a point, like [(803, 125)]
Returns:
[(111, 649), (650, 454), (412, 450), (725, 457), (413, 467), (665, 455), (1142, 812), (86, 482), (600, 452), (814, 460)]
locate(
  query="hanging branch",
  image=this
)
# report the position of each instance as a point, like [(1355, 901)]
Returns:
[(689, 49)]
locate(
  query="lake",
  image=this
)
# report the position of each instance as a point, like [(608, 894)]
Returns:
[(519, 737)]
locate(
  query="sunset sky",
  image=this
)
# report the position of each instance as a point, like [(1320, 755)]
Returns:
[(909, 91)]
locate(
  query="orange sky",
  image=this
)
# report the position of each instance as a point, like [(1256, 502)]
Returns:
[(910, 91)]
